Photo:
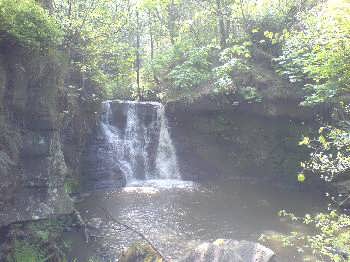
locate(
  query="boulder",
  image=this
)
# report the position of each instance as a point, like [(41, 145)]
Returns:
[(228, 250), (140, 252)]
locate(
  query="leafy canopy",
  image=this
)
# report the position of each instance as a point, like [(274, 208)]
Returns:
[(318, 56), (28, 23)]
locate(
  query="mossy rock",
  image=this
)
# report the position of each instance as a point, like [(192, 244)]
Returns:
[(140, 252)]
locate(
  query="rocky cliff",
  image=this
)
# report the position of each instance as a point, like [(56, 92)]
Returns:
[(41, 136), (250, 141)]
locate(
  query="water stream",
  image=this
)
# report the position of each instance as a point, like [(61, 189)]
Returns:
[(136, 143)]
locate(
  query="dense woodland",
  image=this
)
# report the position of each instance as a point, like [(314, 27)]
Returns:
[(169, 50)]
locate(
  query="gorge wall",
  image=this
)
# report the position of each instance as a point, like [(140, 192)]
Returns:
[(49, 133), (43, 128), (257, 142), (213, 139)]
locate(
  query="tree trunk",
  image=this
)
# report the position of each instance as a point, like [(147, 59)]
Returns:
[(171, 21), (151, 34), (47, 4), (221, 24), (138, 60)]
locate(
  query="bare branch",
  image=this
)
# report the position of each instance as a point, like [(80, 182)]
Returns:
[(110, 217)]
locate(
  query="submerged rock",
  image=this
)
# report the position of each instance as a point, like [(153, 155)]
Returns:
[(228, 250), (140, 252)]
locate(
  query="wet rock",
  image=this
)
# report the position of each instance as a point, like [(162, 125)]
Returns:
[(33, 165), (44, 126), (146, 131), (229, 144), (227, 250), (145, 112), (99, 169), (140, 252), (127, 144)]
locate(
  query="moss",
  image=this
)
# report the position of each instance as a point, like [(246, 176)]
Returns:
[(141, 252), (37, 241), (71, 185), (25, 252)]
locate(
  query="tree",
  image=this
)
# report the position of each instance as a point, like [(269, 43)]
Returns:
[(98, 39)]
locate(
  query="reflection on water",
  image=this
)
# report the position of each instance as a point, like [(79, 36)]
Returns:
[(177, 215), (163, 184)]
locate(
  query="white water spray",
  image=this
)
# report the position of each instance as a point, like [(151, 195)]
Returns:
[(139, 140)]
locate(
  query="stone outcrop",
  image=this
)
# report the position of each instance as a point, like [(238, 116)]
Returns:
[(232, 143), (270, 106), (36, 154)]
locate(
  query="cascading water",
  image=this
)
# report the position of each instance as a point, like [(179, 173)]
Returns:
[(138, 140)]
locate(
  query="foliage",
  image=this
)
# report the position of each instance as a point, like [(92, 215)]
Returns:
[(330, 160), (234, 61), (185, 68), (233, 31), (37, 241), (176, 43), (98, 36), (194, 70), (70, 185), (330, 150), (317, 57), (330, 238), (187, 47), (28, 23)]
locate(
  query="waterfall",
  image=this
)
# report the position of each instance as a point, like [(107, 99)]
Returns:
[(138, 139)]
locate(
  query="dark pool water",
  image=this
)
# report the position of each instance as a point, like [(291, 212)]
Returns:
[(177, 215)]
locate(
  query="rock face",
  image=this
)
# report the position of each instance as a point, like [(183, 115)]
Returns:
[(226, 250), (271, 105), (99, 169), (34, 144), (227, 141)]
